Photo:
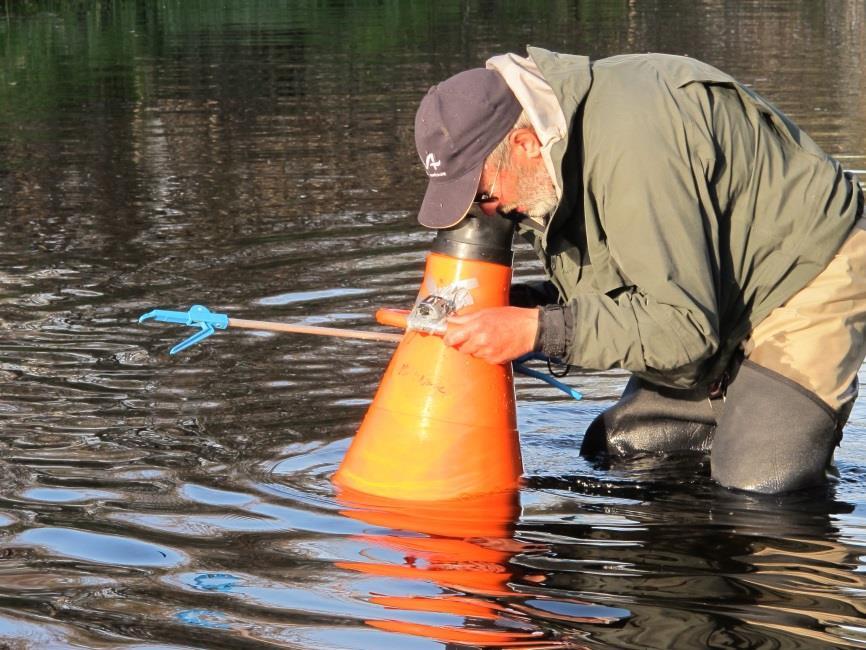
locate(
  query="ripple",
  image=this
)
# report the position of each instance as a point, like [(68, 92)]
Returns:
[(307, 296), (65, 495), (99, 548)]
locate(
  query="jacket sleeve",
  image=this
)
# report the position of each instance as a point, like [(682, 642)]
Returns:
[(644, 206)]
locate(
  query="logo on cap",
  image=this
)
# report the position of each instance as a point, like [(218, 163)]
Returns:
[(430, 161)]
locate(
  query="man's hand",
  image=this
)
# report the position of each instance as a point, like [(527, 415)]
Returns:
[(495, 334)]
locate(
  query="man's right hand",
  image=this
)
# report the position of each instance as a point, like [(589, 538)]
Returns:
[(496, 334)]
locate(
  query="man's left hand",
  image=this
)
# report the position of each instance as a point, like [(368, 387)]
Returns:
[(495, 334)]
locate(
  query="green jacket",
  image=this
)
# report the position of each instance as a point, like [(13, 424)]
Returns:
[(691, 208)]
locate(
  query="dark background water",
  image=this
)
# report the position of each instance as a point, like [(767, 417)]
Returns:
[(257, 156)]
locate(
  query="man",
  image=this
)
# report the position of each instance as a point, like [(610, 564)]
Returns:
[(691, 234)]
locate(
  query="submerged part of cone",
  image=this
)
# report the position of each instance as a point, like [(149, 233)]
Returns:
[(443, 424), (464, 547), (492, 515), (464, 544)]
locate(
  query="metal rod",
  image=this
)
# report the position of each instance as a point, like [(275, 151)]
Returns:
[(311, 329)]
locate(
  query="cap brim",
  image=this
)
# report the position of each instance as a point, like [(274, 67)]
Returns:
[(447, 202)]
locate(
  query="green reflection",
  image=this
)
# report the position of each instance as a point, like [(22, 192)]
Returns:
[(57, 54)]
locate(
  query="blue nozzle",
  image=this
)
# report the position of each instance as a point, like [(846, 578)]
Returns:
[(197, 316)]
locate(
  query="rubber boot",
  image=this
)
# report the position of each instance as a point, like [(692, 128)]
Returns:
[(774, 435), (653, 419)]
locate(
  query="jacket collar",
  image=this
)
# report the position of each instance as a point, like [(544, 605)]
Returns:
[(550, 87), (569, 76), (538, 102)]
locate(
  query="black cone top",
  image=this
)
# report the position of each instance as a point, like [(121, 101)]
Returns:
[(478, 237)]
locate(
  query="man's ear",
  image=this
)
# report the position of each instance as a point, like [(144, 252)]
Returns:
[(525, 142)]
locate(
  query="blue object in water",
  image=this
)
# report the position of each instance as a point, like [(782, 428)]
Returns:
[(204, 618), (197, 316)]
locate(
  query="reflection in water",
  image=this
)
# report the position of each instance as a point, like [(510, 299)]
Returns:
[(743, 572), (464, 547), (257, 156), (799, 572)]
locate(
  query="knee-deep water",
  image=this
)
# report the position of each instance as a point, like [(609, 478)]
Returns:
[(257, 157)]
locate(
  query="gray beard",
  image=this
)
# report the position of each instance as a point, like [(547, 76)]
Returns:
[(535, 193), (541, 204)]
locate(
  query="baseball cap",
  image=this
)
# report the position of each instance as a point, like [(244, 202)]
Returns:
[(459, 122)]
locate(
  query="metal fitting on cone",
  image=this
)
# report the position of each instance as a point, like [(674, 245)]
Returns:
[(443, 424)]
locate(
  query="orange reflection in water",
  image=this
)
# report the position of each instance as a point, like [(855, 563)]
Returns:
[(464, 546)]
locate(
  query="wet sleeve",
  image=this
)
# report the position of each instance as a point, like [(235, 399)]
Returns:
[(646, 198)]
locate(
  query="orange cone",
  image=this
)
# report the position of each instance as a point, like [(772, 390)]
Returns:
[(443, 424)]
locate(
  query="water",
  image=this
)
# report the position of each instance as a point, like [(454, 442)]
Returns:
[(258, 157)]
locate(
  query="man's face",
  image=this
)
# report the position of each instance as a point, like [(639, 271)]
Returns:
[(519, 184)]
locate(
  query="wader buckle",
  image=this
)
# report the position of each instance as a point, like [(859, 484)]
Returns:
[(719, 387)]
